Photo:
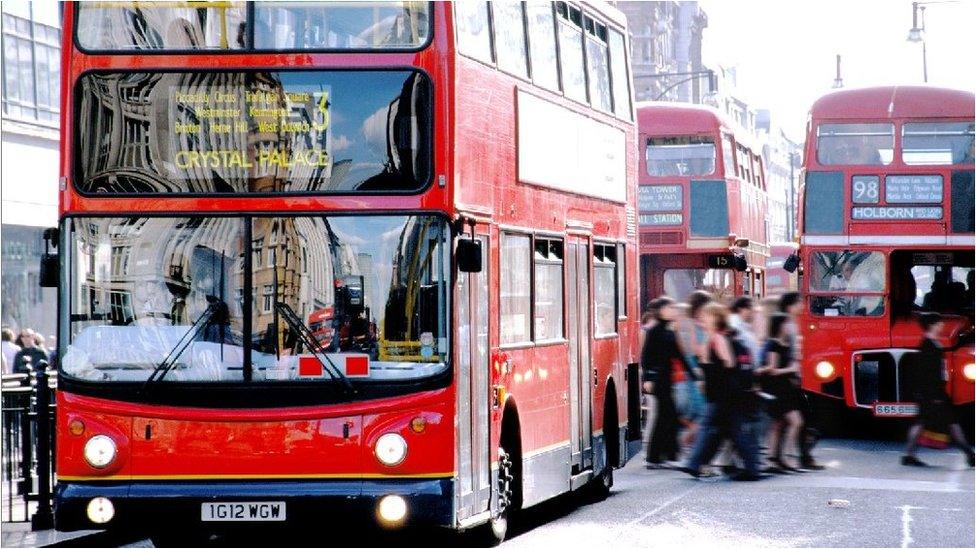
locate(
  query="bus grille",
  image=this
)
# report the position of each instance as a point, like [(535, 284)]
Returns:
[(651, 239), (881, 377)]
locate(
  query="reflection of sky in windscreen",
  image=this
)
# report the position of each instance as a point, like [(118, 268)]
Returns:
[(359, 102), (377, 236)]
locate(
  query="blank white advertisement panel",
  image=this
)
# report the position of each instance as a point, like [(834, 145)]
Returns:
[(564, 150)]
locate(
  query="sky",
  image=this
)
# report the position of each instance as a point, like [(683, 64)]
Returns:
[(784, 51)]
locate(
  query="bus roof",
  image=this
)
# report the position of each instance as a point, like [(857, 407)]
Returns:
[(888, 102), (663, 118)]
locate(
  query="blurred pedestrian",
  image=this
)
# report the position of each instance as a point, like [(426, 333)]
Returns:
[(9, 349), (647, 322), (791, 303), (780, 379), (741, 320), (727, 398), (928, 386), (689, 394), (29, 355), (658, 356)]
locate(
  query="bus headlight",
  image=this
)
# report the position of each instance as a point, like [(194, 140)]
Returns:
[(824, 369), (392, 509), (100, 510), (100, 450), (391, 449), (969, 371)]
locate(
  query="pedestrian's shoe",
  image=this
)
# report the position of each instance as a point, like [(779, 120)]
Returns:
[(749, 477), (811, 465), (971, 459), (653, 464), (775, 470), (913, 461), (731, 470), (782, 466)]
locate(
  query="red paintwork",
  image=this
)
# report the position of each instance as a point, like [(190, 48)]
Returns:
[(475, 150), (668, 247), (835, 339)]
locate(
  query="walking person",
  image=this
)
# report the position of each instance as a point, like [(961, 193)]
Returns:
[(791, 303), (9, 349), (690, 393), (659, 353), (727, 398), (780, 379), (29, 355), (934, 408)]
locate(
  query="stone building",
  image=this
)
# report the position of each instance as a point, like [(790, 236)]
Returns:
[(31, 34), (666, 50)]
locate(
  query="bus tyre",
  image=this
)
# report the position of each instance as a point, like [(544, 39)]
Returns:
[(493, 533)]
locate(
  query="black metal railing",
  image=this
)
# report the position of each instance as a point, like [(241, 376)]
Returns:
[(28, 446)]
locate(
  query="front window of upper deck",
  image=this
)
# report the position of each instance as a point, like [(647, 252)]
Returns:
[(220, 132), (680, 156), (855, 144), (181, 26), (847, 283), (937, 143), (296, 294)]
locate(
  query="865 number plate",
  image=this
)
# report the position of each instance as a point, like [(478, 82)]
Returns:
[(895, 409), (243, 511)]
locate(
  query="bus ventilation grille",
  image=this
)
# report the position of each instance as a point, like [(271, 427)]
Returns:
[(658, 239)]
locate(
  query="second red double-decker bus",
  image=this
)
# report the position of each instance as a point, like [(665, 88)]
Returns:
[(701, 204), (366, 259), (886, 234)]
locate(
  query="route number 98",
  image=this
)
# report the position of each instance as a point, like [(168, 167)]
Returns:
[(865, 189)]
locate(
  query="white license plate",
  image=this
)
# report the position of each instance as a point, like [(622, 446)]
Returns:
[(895, 409), (243, 511)]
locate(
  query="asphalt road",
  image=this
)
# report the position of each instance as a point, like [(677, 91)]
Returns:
[(889, 506)]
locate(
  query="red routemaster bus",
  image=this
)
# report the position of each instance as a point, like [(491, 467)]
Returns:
[(886, 233), (701, 204), (449, 195)]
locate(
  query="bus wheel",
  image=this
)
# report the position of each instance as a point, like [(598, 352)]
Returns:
[(598, 489), (506, 476)]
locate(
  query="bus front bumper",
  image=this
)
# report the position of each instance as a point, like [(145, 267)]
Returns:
[(317, 503)]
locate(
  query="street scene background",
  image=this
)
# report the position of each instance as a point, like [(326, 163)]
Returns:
[(760, 63)]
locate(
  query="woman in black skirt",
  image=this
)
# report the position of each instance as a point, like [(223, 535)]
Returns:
[(935, 410), (781, 379)]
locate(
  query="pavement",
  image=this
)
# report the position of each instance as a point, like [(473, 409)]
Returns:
[(884, 505)]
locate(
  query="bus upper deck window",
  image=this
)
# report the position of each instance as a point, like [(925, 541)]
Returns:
[(937, 143), (855, 144), (691, 155)]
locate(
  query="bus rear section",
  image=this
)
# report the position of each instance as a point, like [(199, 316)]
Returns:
[(887, 235), (701, 205)]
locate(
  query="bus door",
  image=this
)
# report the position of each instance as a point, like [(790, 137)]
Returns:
[(473, 399), (580, 364)]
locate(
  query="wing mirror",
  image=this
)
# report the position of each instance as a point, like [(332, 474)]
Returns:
[(468, 255), (50, 273), (791, 263)]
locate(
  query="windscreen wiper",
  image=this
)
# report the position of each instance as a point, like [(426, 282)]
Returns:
[(216, 312), (295, 323)]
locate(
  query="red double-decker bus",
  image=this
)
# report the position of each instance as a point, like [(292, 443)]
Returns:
[(886, 233), (367, 259), (701, 204)]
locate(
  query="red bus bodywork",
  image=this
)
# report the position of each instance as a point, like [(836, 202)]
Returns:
[(862, 358), (673, 244), (179, 456)]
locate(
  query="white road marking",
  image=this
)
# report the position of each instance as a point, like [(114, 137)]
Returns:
[(906, 525), (659, 508)]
